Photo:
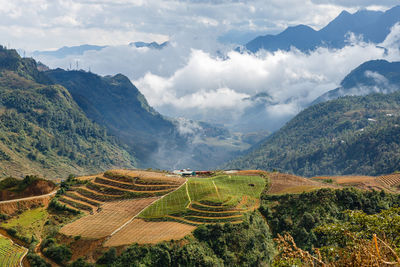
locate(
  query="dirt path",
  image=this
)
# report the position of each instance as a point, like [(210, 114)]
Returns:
[(187, 193), (216, 189), (39, 252), (28, 198)]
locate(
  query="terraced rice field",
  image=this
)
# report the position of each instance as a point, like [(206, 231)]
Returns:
[(112, 199), (390, 180), (160, 207), (111, 216), (10, 253), (142, 232), (220, 199), (118, 185), (358, 181), (282, 183)]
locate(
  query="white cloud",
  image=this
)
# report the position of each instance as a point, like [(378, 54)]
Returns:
[(208, 85), (201, 84), (148, 19), (191, 77)]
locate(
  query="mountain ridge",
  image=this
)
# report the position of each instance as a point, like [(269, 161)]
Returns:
[(373, 26), (43, 131)]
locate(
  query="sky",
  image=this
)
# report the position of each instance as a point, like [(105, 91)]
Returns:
[(50, 24), (198, 75)]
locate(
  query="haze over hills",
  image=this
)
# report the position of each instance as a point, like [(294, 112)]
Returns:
[(375, 76), (66, 51), (156, 141), (43, 130), (372, 26), (348, 135)]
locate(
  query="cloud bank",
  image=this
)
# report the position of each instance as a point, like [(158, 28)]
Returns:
[(203, 80), (220, 89), (45, 24)]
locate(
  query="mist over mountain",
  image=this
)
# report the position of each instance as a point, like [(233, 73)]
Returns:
[(155, 140), (79, 50), (68, 51), (198, 78), (375, 76), (370, 26)]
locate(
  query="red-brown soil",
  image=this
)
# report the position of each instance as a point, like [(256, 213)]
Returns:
[(37, 188)]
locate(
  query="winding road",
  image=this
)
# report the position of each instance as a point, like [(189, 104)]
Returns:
[(28, 198)]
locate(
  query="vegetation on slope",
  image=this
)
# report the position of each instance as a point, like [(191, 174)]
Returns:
[(300, 214), (360, 239), (350, 135), (113, 101), (43, 131), (245, 244)]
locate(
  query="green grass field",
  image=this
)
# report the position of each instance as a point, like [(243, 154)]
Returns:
[(223, 191), (29, 223), (10, 254)]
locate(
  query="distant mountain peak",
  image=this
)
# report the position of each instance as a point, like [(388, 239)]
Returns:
[(374, 26), (153, 45)]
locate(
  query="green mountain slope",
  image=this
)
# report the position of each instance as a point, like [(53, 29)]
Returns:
[(349, 135), (113, 101), (43, 131)]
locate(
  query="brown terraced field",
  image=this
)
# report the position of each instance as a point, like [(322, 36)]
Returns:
[(142, 232), (390, 180), (282, 183), (360, 182), (112, 199), (110, 218)]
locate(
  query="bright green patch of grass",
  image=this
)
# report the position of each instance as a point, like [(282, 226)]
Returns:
[(29, 223), (222, 190), (172, 203)]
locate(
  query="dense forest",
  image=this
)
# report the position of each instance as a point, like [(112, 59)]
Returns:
[(349, 135), (43, 131)]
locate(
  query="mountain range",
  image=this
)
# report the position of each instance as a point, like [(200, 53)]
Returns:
[(373, 26)]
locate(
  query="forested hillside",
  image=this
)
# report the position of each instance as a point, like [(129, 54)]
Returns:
[(349, 135), (43, 131), (113, 101)]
